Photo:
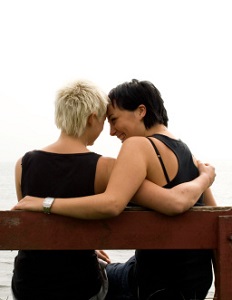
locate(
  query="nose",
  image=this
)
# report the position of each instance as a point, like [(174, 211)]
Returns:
[(112, 130)]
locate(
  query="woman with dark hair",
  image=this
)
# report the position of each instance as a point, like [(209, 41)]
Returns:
[(157, 274)]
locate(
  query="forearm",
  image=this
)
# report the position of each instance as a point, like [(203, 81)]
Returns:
[(171, 201), (188, 193), (90, 207)]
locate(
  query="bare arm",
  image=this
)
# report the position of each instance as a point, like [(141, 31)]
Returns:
[(18, 175), (181, 197), (127, 176), (209, 199), (104, 169)]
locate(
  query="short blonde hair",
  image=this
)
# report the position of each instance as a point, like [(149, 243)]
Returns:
[(75, 103)]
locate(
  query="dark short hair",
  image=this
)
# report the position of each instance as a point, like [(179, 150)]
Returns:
[(129, 95)]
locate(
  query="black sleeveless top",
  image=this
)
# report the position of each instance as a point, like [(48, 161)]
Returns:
[(60, 275), (174, 269), (187, 170)]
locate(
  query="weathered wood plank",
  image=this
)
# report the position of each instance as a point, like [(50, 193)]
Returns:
[(135, 228), (130, 230)]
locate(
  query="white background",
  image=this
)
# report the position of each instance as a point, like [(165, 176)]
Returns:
[(183, 47)]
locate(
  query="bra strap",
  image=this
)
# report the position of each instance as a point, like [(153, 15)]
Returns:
[(160, 159)]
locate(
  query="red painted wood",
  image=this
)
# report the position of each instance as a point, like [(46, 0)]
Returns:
[(130, 230), (224, 273), (200, 228)]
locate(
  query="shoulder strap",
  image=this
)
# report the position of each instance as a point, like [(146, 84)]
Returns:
[(160, 159)]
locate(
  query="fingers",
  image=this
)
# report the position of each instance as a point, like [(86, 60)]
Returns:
[(103, 255), (208, 169)]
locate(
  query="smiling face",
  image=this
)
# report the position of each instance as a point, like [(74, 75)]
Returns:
[(125, 123)]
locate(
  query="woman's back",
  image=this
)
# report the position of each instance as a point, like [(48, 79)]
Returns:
[(183, 271), (57, 274)]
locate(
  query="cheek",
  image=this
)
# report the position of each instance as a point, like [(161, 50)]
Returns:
[(120, 123), (124, 129)]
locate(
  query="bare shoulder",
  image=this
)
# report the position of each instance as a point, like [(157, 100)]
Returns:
[(106, 163), (19, 161), (18, 165), (136, 142), (104, 168), (18, 175), (135, 150)]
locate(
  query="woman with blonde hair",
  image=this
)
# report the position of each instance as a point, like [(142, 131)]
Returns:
[(65, 168)]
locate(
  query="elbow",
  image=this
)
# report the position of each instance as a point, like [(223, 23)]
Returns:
[(113, 213), (179, 203), (113, 209), (178, 208)]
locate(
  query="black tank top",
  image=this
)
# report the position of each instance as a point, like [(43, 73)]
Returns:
[(63, 274), (181, 269), (187, 170)]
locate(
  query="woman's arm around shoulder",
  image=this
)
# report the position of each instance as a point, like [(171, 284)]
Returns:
[(128, 174), (179, 198)]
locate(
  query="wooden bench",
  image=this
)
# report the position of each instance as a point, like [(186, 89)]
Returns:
[(135, 228)]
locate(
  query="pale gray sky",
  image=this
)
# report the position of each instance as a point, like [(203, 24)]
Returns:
[(183, 47)]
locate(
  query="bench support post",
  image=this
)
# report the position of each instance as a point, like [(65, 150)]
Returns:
[(224, 258)]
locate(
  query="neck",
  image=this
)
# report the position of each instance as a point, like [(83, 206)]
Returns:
[(68, 144), (157, 129)]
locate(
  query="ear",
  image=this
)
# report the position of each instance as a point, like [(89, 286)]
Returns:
[(91, 118), (141, 110)]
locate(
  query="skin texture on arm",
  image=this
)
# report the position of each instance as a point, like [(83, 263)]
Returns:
[(209, 199), (178, 199), (127, 176), (18, 175), (208, 196), (103, 171)]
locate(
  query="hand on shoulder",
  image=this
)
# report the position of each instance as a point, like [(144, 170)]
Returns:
[(208, 170)]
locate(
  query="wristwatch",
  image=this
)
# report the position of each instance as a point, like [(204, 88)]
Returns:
[(47, 204)]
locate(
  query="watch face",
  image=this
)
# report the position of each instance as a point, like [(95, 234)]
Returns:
[(47, 203)]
